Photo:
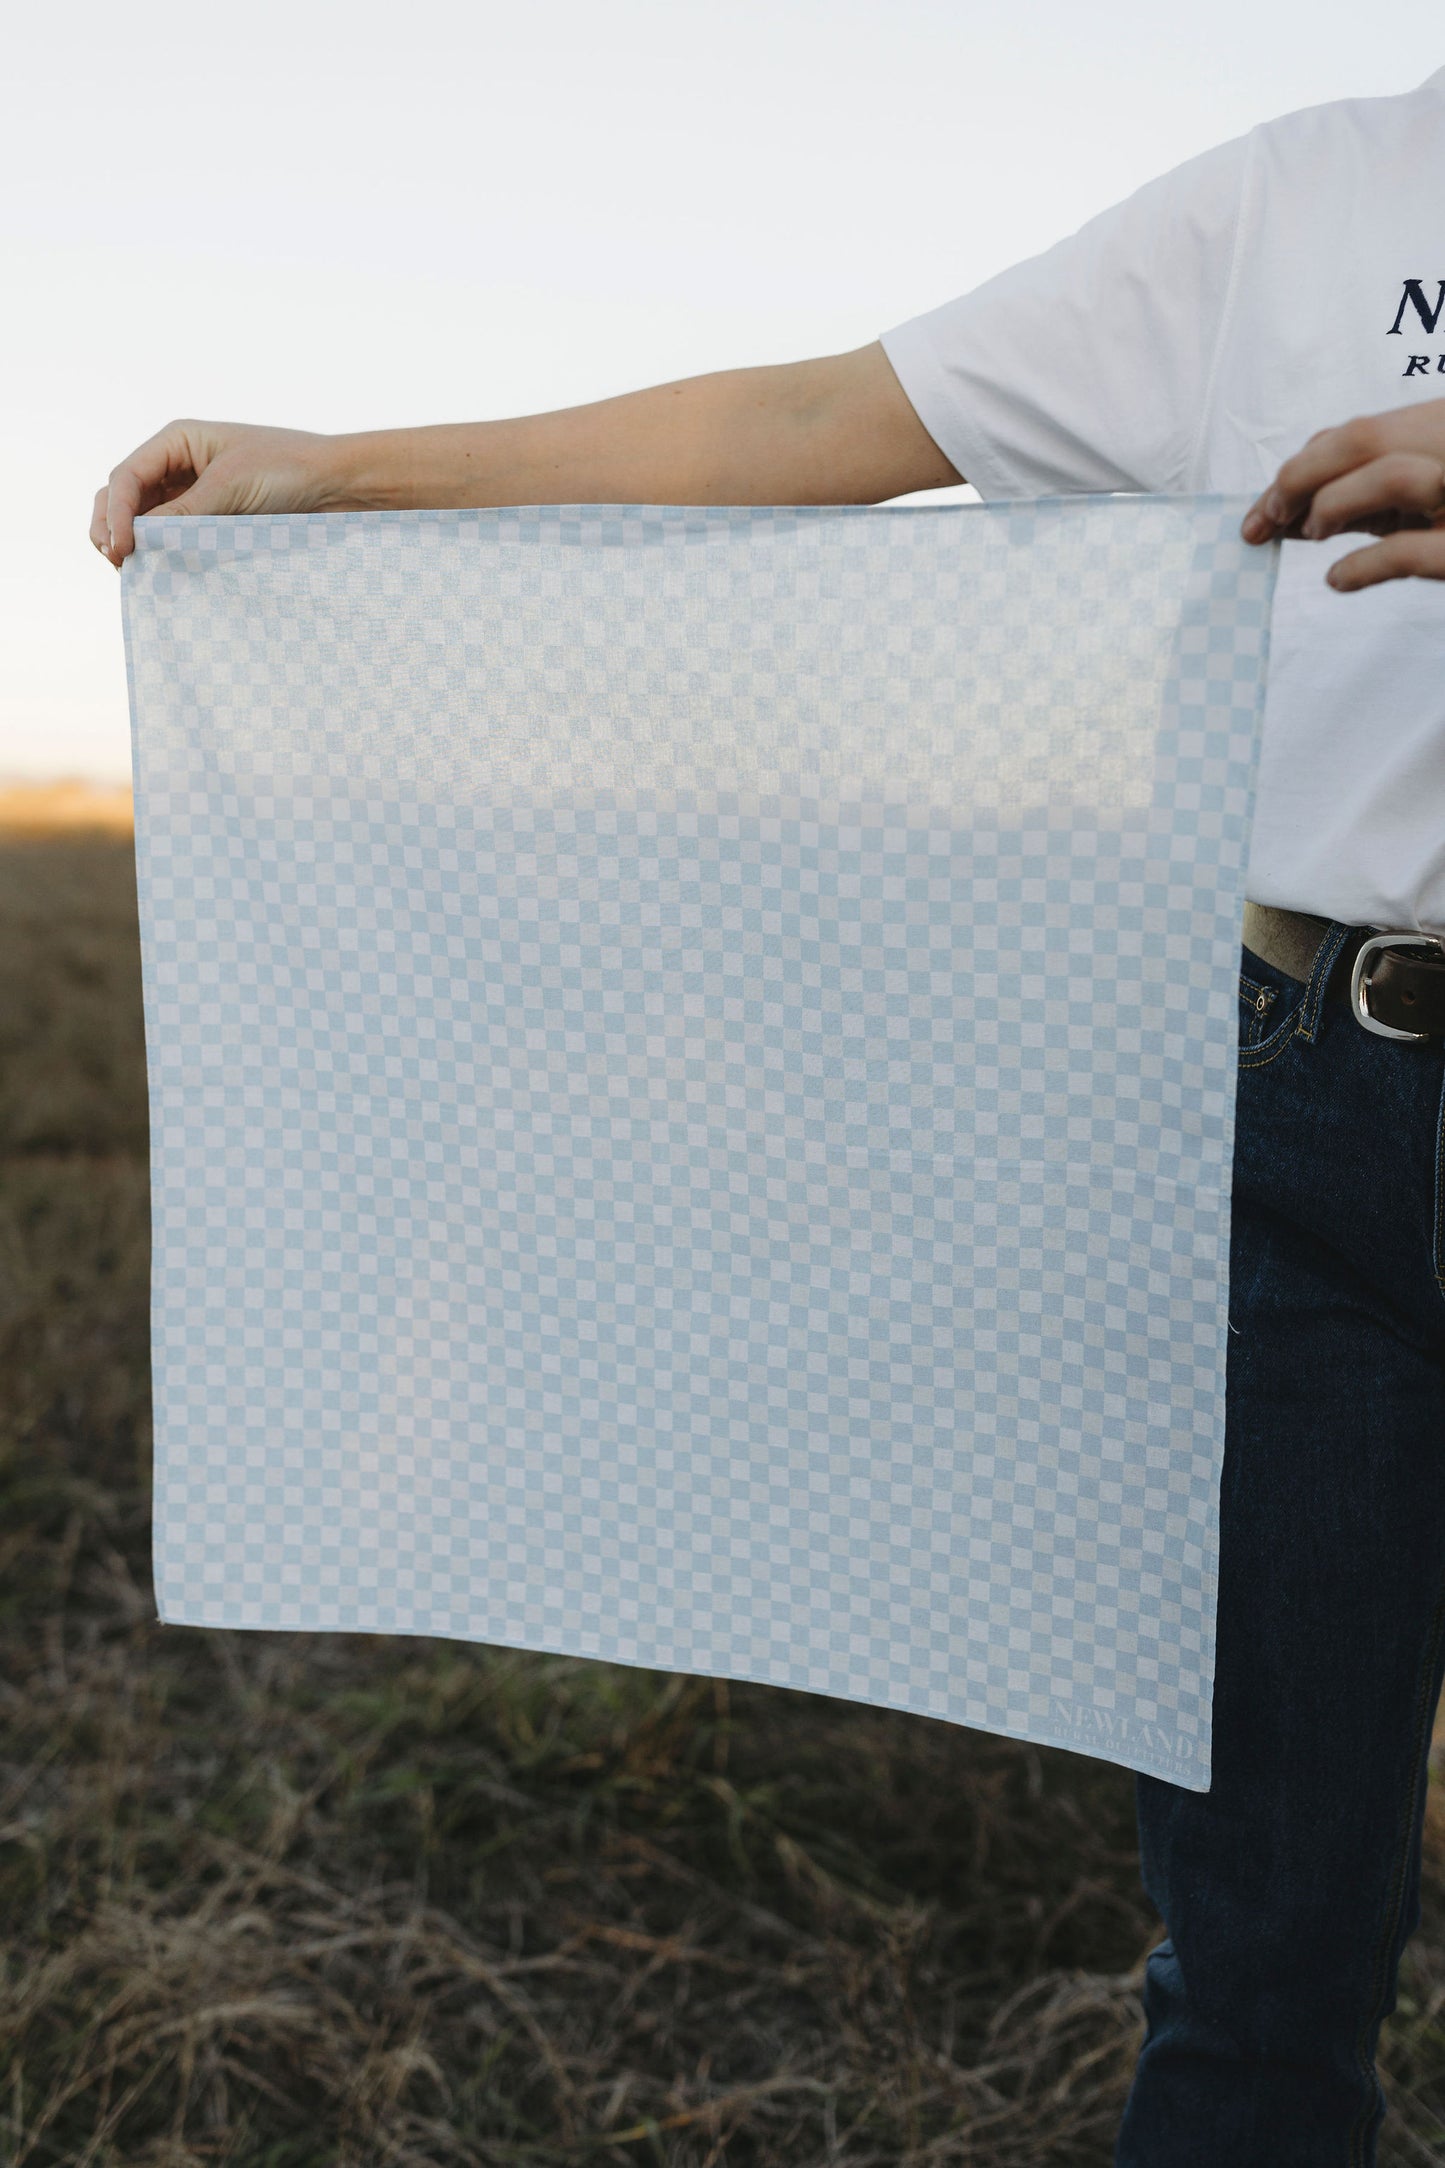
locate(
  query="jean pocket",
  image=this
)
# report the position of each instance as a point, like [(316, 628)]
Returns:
[(1269, 1008)]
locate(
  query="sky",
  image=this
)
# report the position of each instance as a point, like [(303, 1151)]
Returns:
[(354, 217)]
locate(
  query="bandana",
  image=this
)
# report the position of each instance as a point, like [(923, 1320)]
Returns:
[(691, 1066)]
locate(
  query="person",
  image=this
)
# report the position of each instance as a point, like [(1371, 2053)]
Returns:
[(1208, 334)]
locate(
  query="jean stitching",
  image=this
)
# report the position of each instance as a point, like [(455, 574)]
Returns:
[(1374, 2015), (1267, 1050), (1326, 956), (1303, 1021), (1256, 1001), (1436, 1260)]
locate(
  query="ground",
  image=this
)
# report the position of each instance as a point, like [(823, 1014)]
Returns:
[(340, 1901)]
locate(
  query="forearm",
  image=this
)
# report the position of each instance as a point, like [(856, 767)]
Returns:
[(837, 430), (834, 430)]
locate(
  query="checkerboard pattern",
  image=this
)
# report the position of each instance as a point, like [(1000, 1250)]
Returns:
[(691, 1066)]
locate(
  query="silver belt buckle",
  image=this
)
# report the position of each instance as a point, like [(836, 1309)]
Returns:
[(1360, 979)]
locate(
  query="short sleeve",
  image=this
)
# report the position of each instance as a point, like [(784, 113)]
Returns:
[(1087, 368)]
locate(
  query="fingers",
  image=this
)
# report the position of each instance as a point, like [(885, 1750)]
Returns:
[(1415, 431), (1409, 485), (1331, 453), (160, 471), (100, 528), (1414, 553)]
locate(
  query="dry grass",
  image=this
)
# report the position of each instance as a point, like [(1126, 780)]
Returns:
[(330, 1902)]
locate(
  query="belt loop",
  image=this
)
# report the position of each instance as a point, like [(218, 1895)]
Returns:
[(1326, 957)]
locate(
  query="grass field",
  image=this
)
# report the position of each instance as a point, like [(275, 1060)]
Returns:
[(339, 1901)]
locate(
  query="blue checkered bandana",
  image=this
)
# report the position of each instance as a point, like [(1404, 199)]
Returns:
[(691, 1066)]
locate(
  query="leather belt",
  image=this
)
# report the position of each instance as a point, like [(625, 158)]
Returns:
[(1392, 983)]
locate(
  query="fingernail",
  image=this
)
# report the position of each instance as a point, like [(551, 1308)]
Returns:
[(1255, 527), (1274, 507)]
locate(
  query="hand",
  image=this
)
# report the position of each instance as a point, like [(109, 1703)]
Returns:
[(1383, 474), (210, 467)]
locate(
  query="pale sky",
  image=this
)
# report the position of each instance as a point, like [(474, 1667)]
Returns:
[(349, 217)]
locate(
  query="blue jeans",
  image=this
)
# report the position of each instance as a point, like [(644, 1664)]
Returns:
[(1290, 1888)]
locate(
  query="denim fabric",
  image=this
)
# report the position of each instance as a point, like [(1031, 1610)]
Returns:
[(1289, 1889)]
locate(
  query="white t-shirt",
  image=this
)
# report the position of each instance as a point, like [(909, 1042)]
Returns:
[(1191, 339)]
